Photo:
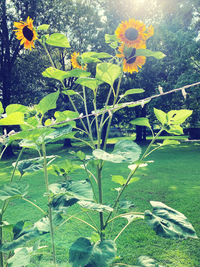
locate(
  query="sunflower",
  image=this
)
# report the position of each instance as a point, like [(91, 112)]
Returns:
[(131, 63), (76, 61), (133, 33), (26, 33)]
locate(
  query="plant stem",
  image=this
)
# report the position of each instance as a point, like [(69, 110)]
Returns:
[(49, 206), (35, 205), (1, 240), (99, 170), (18, 158), (131, 175), (86, 112)]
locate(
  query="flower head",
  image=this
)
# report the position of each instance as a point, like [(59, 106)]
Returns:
[(133, 33), (131, 62), (76, 62), (26, 33)]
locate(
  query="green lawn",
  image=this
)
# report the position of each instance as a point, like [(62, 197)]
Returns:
[(173, 179)]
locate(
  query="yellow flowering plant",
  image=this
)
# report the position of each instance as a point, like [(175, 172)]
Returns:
[(36, 131)]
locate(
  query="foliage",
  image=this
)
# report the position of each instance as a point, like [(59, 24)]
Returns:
[(38, 128)]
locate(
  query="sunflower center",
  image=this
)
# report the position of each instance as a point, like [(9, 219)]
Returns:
[(131, 34), (131, 59), (28, 34)]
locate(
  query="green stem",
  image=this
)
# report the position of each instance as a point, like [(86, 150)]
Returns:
[(35, 205), (121, 231), (18, 158), (48, 54), (49, 206), (101, 219), (86, 112), (131, 175), (1, 240)]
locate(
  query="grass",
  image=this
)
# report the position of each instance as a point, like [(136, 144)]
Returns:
[(173, 179)]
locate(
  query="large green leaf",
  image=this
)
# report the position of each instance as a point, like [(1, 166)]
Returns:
[(16, 108), (174, 129), (13, 191), (32, 165), (43, 27), (55, 74), (124, 151), (35, 135), (94, 206), (58, 134), (132, 92), (103, 254), (168, 222), (15, 118), (107, 72), (80, 190), (145, 261), (20, 258), (149, 53), (89, 57), (91, 83), (167, 142), (48, 102), (141, 122), (40, 228), (112, 40), (80, 252), (161, 116), (178, 116), (58, 39)]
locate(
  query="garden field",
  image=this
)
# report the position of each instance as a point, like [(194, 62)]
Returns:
[(173, 178)]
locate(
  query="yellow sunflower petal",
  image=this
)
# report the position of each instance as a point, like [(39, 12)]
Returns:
[(26, 33)]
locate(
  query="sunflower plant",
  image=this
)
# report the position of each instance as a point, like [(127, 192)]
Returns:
[(37, 130)]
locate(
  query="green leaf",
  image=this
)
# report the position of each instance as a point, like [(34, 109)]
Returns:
[(118, 179), (124, 151), (108, 72), (178, 116), (175, 129), (58, 39), (126, 204), (103, 254), (80, 252), (81, 155), (20, 258), (35, 135), (110, 38), (161, 116), (168, 222), (149, 53), (167, 142), (16, 108), (14, 191), (43, 27), (58, 134), (94, 206), (41, 227), (80, 190), (77, 73), (91, 83), (89, 57), (48, 102), (1, 108), (16, 118), (145, 261), (141, 122), (132, 92), (32, 165), (54, 73)]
